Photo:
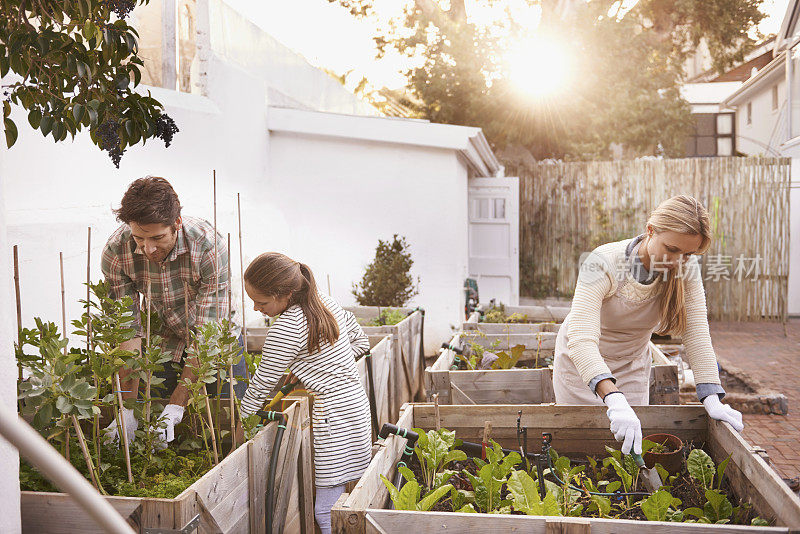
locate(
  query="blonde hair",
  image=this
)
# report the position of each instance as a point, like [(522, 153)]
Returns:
[(685, 215)]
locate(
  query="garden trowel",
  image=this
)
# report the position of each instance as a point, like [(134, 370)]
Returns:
[(650, 477)]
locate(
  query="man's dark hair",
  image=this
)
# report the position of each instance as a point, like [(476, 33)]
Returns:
[(149, 200)]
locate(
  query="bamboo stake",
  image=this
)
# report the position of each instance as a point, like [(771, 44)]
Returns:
[(231, 404), (241, 269), (19, 307), (330, 294), (63, 300), (124, 436), (216, 306), (147, 403), (85, 450), (95, 417), (436, 411)]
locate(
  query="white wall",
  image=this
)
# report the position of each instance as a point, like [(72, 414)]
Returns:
[(56, 190), (340, 196), (9, 458), (768, 126)]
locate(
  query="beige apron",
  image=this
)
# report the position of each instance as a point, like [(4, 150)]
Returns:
[(626, 324)]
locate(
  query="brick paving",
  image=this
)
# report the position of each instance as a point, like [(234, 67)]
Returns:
[(763, 352)]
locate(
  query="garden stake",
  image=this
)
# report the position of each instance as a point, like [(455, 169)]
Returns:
[(436, 411), (124, 436), (487, 429), (19, 308), (211, 426), (63, 301), (95, 417), (241, 269), (216, 307), (147, 347), (86, 457), (329, 286), (231, 404)]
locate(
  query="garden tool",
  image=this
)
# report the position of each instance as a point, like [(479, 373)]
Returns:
[(650, 477), (290, 383)]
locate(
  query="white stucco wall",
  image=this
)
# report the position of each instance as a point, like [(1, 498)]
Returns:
[(9, 458), (340, 196), (56, 190)]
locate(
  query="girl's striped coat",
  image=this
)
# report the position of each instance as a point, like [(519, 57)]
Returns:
[(341, 416)]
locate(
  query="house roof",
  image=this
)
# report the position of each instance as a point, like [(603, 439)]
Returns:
[(772, 72), (468, 142), (706, 97)]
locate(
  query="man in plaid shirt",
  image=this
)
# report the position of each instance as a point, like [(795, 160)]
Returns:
[(173, 259)]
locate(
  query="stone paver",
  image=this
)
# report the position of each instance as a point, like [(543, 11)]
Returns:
[(763, 352)]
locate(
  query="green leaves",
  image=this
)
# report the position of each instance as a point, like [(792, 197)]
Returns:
[(11, 132), (717, 508), (408, 497), (657, 505), (701, 467), (525, 496), (507, 360), (435, 451)]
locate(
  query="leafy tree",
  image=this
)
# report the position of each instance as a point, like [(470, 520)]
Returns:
[(627, 67), (387, 280), (74, 65)]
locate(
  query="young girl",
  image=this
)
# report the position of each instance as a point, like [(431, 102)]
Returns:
[(318, 341), (625, 292)]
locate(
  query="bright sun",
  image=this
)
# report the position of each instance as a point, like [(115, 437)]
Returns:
[(539, 66)]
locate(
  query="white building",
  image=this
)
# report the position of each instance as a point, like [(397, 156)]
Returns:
[(767, 123)]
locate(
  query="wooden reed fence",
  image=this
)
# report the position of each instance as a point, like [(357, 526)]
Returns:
[(570, 208)]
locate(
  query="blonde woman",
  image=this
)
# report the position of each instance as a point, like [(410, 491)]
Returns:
[(626, 291)]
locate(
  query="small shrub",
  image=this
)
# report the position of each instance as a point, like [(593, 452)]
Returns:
[(387, 281)]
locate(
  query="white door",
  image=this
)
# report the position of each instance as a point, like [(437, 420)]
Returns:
[(494, 238)]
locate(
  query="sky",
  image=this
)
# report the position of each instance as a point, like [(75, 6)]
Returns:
[(328, 36)]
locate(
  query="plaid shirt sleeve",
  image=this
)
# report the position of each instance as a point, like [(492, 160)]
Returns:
[(121, 285), (212, 297)]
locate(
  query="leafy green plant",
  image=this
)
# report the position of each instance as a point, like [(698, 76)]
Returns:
[(77, 65), (525, 496), (701, 467), (408, 497), (492, 475), (388, 316), (660, 505), (387, 281), (435, 452), (507, 360)]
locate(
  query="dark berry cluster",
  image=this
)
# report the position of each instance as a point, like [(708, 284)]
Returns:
[(121, 7), (165, 128), (108, 132)]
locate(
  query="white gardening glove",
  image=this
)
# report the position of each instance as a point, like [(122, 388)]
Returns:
[(624, 423), (723, 412), (172, 415), (111, 432)]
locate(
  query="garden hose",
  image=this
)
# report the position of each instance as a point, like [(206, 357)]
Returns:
[(408, 452), (282, 419), (285, 390), (458, 352), (373, 404)]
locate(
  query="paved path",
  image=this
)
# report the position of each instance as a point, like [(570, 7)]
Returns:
[(762, 350)]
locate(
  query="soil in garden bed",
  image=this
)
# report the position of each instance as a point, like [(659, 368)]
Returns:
[(684, 487)]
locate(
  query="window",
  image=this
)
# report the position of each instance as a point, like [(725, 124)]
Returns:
[(775, 97), (714, 135), (749, 113)]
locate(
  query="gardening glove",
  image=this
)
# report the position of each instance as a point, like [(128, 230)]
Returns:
[(111, 432), (723, 412), (172, 415), (624, 423)]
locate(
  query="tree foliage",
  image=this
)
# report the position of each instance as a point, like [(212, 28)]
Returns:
[(626, 68), (73, 64)]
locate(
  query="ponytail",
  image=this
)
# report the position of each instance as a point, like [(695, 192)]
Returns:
[(322, 325)]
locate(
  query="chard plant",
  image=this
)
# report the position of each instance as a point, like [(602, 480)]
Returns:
[(435, 452), (408, 497)]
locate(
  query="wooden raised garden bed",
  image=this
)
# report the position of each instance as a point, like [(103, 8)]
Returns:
[(229, 498), (577, 431), (524, 386)]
